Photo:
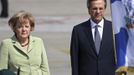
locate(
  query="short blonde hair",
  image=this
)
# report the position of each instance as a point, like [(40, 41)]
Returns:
[(21, 16)]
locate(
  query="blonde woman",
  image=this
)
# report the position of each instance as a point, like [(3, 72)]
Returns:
[(23, 54)]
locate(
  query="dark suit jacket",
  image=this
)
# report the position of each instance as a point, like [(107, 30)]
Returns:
[(6, 72), (84, 59)]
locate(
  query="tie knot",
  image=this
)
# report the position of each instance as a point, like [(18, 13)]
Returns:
[(96, 26), (96, 30)]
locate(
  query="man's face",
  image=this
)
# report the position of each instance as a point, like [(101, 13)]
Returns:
[(97, 10)]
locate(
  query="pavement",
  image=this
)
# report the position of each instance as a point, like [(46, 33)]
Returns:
[(54, 22)]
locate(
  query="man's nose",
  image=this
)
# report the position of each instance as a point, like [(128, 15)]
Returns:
[(98, 10)]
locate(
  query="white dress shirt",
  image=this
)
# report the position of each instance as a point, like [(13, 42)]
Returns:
[(100, 28)]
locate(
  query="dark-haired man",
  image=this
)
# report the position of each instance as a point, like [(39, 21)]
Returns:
[(92, 49)]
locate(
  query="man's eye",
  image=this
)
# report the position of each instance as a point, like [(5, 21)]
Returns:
[(94, 8), (101, 8), (27, 26)]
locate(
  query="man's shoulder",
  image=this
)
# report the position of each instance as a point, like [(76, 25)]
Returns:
[(82, 24), (107, 21)]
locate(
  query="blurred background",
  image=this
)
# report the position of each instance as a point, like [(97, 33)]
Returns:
[(54, 22)]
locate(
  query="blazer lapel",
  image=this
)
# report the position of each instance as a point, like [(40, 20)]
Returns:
[(105, 37), (30, 47), (16, 43), (18, 46), (88, 32)]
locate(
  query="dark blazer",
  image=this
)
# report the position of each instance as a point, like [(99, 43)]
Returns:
[(84, 59), (6, 72)]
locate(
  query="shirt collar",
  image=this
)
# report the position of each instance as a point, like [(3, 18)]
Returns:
[(93, 24), (15, 40)]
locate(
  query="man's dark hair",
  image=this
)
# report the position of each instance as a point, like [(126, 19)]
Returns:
[(89, 2)]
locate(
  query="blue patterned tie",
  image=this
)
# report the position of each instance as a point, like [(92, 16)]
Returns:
[(97, 39)]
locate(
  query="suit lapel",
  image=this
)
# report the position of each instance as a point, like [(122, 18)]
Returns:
[(88, 32), (18, 46), (30, 44), (16, 43), (105, 37)]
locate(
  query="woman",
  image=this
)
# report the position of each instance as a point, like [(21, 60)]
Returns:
[(22, 53)]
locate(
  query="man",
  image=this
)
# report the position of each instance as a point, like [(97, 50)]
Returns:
[(89, 57)]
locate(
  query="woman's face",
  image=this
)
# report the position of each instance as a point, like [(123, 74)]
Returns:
[(23, 29)]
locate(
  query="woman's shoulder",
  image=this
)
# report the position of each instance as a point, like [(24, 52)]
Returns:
[(35, 38), (8, 40)]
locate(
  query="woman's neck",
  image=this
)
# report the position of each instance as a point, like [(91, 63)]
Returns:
[(23, 41)]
